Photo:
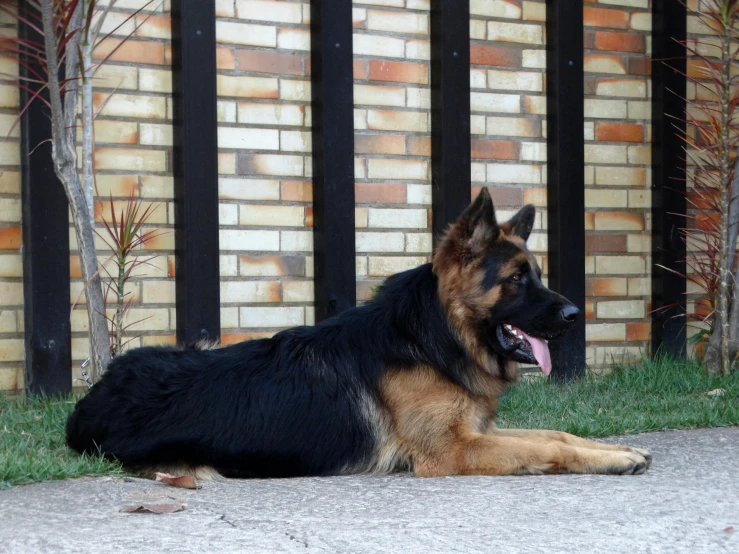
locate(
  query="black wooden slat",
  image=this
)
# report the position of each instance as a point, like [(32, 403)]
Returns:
[(46, 296), (450, 111), (333, 156), (196, 170), (669, 23), (565, 182)]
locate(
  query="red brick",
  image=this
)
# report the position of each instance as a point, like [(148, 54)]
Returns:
[(379, 193), (379, 144), (10, 238), (171, 271), (605, 243), (225, 58), (495, 149), (75, 267), (399, 72), (280, 63), (296, 191), (503, 196), (638, 331), (495, 55), (699, 69), (619, 42), (605, 286), (640, 66), (360, 70), (309, 216), (419, 146), (136, 51), (589, 309), (619, 132), (600, 17)]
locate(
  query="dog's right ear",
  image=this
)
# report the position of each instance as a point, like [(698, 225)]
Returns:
[(477, 225)]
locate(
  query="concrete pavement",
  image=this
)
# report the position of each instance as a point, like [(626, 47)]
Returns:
[(687, 502)]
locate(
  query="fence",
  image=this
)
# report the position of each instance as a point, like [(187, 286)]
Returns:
[(574, 74)]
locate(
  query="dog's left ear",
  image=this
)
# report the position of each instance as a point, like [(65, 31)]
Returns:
[(522, 223)]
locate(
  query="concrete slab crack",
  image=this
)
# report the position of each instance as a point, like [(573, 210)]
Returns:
[(294, 538)]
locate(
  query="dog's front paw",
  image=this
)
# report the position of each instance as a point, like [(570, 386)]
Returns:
[(645, 453), (628, 463)]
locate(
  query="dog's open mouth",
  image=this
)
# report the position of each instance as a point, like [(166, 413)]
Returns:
[(522, 347)]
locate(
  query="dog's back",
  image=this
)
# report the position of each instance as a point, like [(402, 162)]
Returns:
[(271, 407)]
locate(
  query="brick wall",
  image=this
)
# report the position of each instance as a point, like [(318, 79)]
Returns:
[(264, 121)]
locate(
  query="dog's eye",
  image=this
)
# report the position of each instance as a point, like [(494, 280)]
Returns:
[(517, 277)]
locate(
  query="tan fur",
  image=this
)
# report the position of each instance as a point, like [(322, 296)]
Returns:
[(446, 430), (200, 473)]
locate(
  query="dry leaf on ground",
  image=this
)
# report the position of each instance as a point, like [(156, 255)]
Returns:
[(154, 508), (182, 481)]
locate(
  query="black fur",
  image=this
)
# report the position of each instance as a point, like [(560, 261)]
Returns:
[(290, 405)]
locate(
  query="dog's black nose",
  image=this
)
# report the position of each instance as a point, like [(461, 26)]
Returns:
[(569, 313)]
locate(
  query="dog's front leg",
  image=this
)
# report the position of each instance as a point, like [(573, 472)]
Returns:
[(501, 455), (543, 435)]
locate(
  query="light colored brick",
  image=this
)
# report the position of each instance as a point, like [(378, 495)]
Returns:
[(248, 87), (280, 12), (419, 194), (640, 199), (242, 33), (418, 242), (241, 138), (117, 77), (604, 332), (298, 291), (374, 95), (418, 97), (606, 154), (296, 241), (228, 266), (271, 164), (293, 39), (500, 103), (619, 265), (535, 105), (641, 286), (601, 63), (131, 105), (228, 214), (515, 32), (621, 176), (534, 11), (513, 127), (269, 216), (515, 80), (296, 141), (157, 135), (393, 120), (641, 21), (294, 90), (605, 198), (640, 155), (397, 218), (380, 242), (397, 22), (250, 291), (605, 109), (254, 317), (249, 240), (622, 87), (373, 45), (225, 8), (154, 80), (389, 265), (225, 111), (129, 159), (639, 110), (11, 350), (534, 59), (620, 309), (639, 243), (496, 8), (418, 50), (397, 169), (513, 173)]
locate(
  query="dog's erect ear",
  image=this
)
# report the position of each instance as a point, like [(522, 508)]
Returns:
[(522, 223), (477, 225)]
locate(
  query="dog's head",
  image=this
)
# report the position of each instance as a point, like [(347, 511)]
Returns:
[(490, 285)]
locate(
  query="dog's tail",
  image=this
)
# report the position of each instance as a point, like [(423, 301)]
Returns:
[(84, 433)]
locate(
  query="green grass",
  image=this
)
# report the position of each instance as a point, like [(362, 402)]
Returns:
[(649, 396), (32, 447)]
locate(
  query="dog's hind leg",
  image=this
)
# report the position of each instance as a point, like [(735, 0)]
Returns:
[(567, 438)]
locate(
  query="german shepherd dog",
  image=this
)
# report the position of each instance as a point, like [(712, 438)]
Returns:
[(410, 380)]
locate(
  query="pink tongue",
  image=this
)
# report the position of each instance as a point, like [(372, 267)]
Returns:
[(541, 353)]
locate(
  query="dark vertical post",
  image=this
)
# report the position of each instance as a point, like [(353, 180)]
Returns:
[(450, 111), (196, 170), (333, 156), (669, 24), (45, 218), (566, 180)]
